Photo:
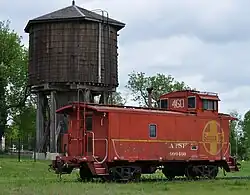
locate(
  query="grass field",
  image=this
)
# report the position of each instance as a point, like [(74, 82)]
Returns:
[(32, 178)]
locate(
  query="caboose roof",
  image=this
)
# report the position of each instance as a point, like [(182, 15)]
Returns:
[(200, 94), (105, 108), (112, 108), (72, 13)]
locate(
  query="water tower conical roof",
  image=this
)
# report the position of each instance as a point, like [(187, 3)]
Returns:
[(73, 12)]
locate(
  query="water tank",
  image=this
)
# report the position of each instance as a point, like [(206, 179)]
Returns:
[(73, 45)]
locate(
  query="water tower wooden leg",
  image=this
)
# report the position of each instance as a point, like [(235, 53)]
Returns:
[(52, 122), (39, 122), (62, 99), (87, 95), (110, 98), (91, 98), (105, 97)]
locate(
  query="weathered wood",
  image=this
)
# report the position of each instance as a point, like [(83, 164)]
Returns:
[(68, 52)]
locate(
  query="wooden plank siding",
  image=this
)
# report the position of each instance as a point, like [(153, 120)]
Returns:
[(63, 52)]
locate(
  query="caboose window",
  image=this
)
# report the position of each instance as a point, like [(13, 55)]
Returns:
[(164, 103), (65, 123), (152, 130), (209, 105), (88, 123), (191, 102)]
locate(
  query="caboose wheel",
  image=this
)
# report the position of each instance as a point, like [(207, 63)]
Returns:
[(170, 177), (211, 171), (190, 173), (168, 174), (85, 174), (205, 171), (125, 173), (136, 176)]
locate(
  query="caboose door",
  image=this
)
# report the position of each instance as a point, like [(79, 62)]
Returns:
[(79, 142), (72, 140), (89, 135), (100, 133), (94, 138)]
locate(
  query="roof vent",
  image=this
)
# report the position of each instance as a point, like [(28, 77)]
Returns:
[(73, 2)]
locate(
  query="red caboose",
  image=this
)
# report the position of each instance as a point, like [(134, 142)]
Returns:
[(186, 136)]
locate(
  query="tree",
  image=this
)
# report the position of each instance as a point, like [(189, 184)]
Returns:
[(246, 134), (3, 111), (117, 99), (13, 73), (239, 135), (138, 84), (23, 126), (235, 127)]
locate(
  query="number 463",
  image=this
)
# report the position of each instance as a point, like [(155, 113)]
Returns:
[(178, 103)]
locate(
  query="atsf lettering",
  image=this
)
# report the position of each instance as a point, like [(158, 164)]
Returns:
[(178, 145)]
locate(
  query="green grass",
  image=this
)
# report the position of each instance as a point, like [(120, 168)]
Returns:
[(32, 178)]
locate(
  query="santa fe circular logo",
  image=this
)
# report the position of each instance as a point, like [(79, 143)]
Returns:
[(213, 137)]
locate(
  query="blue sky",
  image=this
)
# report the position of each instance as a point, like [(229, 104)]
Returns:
[(203, 43)]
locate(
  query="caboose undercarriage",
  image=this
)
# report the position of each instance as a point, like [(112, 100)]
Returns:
[(89, 168)]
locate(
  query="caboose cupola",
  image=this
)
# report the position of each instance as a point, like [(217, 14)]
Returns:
[(190, 101)]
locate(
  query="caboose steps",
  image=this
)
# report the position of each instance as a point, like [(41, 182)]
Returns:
[(100, 169), (233, 168), (233, 165)]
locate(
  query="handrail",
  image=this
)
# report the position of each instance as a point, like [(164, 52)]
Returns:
[(228, 149), (229, 144), (106, 151), (58, 130), (93, 145)]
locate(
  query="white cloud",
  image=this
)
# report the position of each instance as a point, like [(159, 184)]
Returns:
[(204, 43)]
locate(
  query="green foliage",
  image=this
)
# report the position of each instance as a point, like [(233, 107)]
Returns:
[(13, 59), (138, 83), (246, 134), (246, 126), (23, 126), (117, 99), (3, 111), (12, 132), (239, 135), (13, 73), (235, 128)]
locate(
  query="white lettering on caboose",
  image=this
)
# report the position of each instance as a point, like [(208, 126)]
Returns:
[(177, 153), (178, 103), (178, 145)]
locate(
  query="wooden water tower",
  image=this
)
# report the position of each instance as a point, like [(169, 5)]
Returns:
[(72, 56)]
